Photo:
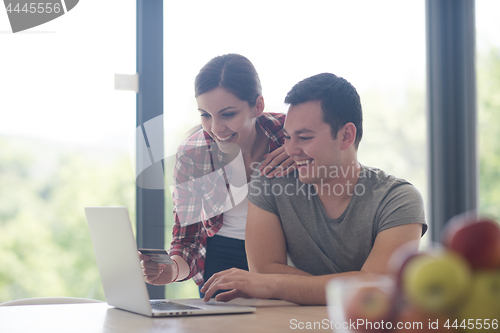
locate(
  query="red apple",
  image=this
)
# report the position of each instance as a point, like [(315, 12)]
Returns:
[(476, 239), (370, 301)]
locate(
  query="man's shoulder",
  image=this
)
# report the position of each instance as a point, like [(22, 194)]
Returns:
[(383, 187), (379, 178)]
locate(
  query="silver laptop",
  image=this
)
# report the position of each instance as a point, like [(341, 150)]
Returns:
[(121, 273)]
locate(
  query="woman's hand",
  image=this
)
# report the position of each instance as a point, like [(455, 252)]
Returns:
[(157, 274), (277, 164)]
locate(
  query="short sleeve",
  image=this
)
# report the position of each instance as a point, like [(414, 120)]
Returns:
[(402, 205), (260, 193)]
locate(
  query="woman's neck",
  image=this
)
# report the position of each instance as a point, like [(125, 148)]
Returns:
[(256, 146)]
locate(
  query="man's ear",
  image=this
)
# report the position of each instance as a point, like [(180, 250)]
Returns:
[(348, 135), (259, 106)]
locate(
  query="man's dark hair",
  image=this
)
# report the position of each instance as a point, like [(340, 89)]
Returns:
[(339, 100)]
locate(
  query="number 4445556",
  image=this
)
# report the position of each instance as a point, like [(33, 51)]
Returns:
[(473, 324), (32, 8)]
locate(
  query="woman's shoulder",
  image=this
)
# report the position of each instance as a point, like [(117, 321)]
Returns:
[(272, 116), (272, 121), (272, 124), (197, 139)]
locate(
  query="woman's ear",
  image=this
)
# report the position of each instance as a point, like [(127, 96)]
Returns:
[(259, 106), (348, 137)]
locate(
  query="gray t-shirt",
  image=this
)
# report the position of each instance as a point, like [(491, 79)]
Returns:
[(321, 245)]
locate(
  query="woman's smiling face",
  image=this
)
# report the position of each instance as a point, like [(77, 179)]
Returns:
[(227, 119)]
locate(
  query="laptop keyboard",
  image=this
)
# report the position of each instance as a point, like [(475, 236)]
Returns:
[(167, 306)]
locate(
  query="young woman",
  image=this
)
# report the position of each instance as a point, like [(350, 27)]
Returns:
[(209, 233)]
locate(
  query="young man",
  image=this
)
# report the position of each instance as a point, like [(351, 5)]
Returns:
[(333, 218)]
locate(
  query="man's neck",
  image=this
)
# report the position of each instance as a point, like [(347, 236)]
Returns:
[(336, 193)]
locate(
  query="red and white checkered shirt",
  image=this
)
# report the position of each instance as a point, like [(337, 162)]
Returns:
[(197, 157)]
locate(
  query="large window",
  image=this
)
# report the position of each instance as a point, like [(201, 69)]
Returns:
[(379, 46), (64, 130), (63, 145)]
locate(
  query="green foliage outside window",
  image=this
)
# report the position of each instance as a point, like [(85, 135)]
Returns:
[(488, 87), (45, 247)]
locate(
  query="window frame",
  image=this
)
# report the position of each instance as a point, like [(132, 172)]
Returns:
[(150, 203)]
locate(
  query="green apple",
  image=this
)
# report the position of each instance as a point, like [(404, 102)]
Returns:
[(483, 301), (436, 283), (403, 255)]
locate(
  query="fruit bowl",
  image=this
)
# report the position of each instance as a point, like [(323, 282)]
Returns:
[(450, 287)]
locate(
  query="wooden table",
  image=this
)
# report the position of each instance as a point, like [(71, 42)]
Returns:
[(271, 316)]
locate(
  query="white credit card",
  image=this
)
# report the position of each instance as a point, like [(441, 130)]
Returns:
[(158, 256)]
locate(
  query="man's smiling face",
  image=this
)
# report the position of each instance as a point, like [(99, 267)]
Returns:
[(310, 143)]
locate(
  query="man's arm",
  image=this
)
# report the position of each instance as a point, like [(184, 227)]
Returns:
[(387, 242), (311, 290), (307, 290), (265, 243)]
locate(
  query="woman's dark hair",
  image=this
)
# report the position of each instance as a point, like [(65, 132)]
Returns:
[(233, 72)]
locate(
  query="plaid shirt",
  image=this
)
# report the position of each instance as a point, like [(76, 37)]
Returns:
[(197, 157)]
